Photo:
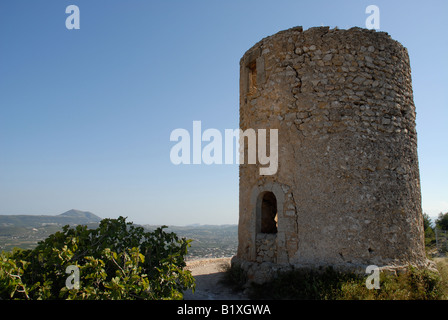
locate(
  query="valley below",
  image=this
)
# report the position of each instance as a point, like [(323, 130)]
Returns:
[(25, 231)]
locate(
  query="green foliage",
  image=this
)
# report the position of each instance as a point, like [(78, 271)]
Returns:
[(304, 284), (415, 284), (442, 221), (116, 261), (436, 240), (11, 273), (430, 237), (427, 223), (442, 266)]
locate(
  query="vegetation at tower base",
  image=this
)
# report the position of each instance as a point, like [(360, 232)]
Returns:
[(115, 261), (329, 284)]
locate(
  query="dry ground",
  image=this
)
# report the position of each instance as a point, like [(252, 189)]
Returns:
[(208, 274)]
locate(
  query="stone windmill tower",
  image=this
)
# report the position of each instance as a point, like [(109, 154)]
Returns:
[(347, 190)]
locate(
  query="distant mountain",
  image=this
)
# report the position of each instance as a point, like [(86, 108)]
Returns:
[(81, 215), (25, 231), (71, 217)]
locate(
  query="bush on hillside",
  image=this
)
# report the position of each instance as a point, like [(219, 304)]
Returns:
[(115, 261)]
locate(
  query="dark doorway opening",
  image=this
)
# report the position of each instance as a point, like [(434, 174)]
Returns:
[(269, 217)]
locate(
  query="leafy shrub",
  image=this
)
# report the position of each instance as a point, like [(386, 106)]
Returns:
[(328, 284), (304, 284), (115, 261)]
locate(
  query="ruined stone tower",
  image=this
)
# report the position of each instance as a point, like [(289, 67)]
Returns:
[(347, 190)]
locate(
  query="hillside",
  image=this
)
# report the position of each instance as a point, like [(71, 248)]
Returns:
[(25, 231), (209, 241), (71, 217)]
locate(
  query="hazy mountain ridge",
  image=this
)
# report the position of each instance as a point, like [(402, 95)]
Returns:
[(71, 217), (25, 231)]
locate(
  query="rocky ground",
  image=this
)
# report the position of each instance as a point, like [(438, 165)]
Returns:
[(208, 274)]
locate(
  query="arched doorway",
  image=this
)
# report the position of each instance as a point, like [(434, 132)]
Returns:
[(267, 232)]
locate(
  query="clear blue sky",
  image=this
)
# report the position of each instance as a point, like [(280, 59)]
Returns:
[(86, 115)]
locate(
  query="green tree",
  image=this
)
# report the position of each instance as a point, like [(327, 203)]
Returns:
[(428, 226), (115, 261), (427, 223), (442, 221)]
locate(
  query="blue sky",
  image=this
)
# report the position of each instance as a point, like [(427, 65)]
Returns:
[(86, 115)]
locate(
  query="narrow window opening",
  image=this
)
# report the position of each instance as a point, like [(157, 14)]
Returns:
[(252, 77), (269, 217)]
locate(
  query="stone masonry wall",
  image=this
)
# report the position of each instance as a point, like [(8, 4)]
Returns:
[(266, 248), (348, 171)]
